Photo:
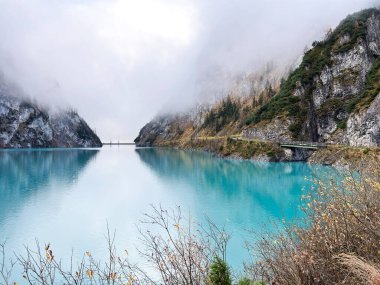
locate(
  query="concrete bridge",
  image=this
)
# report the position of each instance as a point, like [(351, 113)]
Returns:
[(288, 144), (304, 145), (118, 143)]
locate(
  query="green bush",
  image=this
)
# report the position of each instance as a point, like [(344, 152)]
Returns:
[(227, 113), (296, 129), (342, 125), (271, 153), (246, 281), (219, 273), (371, 89)]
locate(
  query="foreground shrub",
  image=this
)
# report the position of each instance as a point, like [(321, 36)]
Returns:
[(246, 281), (339, 245), (219, 273), (175, 250)]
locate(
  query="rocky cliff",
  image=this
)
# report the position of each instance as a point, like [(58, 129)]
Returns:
[(333, 96), (25, 125)]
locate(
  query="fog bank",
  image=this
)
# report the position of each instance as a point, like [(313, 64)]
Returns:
[(119, 62)]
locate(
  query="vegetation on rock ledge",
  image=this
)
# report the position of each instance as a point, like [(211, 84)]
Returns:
[(219, 118), (314, 61)]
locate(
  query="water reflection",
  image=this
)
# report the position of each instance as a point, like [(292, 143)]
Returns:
[(58, 196), (274, 187), (24, 173)]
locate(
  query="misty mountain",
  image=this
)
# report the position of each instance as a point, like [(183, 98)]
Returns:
[(333, 96), (23, 124)]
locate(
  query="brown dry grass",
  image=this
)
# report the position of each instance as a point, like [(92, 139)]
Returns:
[(339, 245), (354, 157), (360, 269)]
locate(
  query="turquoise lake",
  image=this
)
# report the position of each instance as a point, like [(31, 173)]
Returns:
[(67, 196)]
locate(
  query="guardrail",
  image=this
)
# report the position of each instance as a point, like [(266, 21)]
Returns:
[(302, 144), (118, 143)]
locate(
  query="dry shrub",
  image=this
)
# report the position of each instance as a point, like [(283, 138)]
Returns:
[(174, 250), (339, 242), (360, 269), (182, 250)]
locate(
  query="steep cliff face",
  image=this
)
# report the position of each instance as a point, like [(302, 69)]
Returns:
[(344, 81), (330, 96), (363, 128), (70, 130), (333, 96), (23, 125), (159, 128)]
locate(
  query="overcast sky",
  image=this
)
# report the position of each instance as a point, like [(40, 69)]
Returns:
[(119, 62)]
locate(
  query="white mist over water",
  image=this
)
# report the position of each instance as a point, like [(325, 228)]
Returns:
[(119, 62)]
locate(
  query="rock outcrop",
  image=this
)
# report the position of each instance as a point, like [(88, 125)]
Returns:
[(332, 96), (25, 125), (344, 80), (363, 129), (160, 128)]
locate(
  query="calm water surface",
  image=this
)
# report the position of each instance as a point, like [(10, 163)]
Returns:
[(66, 197)]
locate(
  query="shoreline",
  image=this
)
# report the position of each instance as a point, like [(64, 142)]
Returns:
[(338, 156)]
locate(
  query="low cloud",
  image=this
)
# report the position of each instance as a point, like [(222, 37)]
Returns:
[(119, 62)]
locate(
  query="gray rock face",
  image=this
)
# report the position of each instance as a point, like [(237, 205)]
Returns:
[(297, 154), (373, 34), (149, 133), (70, 130), (164, 128), (25, 125), (343, 80), (346, 77), (363, 129), (275, 131)]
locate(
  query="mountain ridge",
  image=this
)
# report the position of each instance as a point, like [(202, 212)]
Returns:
[(23, 124), (331, 97)]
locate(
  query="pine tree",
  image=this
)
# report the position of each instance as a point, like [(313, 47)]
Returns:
[(219, 273)]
